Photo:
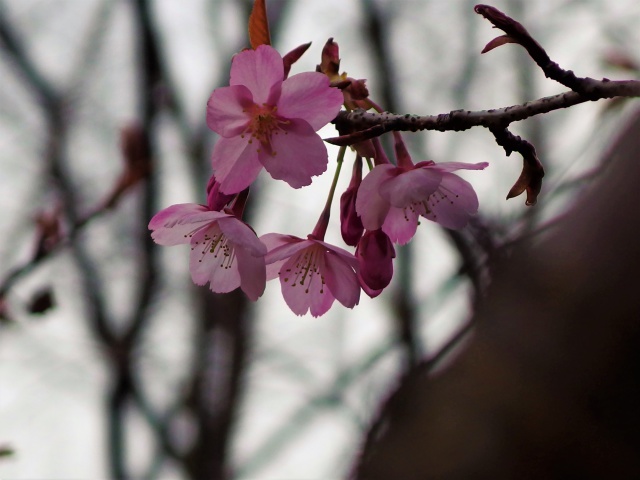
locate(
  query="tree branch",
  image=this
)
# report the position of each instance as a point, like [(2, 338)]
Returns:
[(360, 125)]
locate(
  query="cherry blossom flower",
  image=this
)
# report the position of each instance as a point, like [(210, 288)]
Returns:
[(265, 120), (393, 198), (224, 250), (375, 254), (312, 273)]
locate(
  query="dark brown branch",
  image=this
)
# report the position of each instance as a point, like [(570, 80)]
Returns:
[(367, 125), (516, 33), (532, 171)]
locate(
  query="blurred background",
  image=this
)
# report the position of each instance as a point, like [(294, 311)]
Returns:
[(112, 363)]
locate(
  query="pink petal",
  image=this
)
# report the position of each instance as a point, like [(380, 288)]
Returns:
[(375, 255), (401, 224), (368, 290), (252, 273), (298, 155), (287, 248), (341, 280), (241, 234), (350, 224), (341, 252), (371, 207), (308, 96), (226, 110), (259, 70), (320, 304), (217, 268), (235, 164), (273, 241), (410, 186), (175, 225), (453, 204), (453, 166)]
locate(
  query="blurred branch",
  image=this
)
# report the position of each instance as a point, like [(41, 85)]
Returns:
[(391, 408), (24, 63), (330, 397)]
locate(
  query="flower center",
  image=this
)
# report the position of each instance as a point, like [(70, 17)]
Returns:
[(218, 245), (264, 122), (306, 269)]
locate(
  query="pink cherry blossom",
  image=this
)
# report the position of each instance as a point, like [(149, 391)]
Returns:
[(312, 273), (224, 250), (375, 254), (265, 120), (393, 198)]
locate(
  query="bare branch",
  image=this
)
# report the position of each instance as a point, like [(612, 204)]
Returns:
[(365, 125)]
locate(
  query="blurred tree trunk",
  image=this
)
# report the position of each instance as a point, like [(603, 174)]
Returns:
[(549, 387)]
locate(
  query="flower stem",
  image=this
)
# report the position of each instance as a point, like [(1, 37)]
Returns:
[(321, 227)]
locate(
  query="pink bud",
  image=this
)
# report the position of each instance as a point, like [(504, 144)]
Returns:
[(216, 200), (330, 64), (375, 254), (350, 223)]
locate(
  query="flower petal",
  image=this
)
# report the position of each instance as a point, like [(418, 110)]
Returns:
[(401, 223), (235, 164), (258, 70), (226, 110), (350, 223), (341, 252), (286, 249), (308, 96), (297, 155), (241, 234), (341, 280), (375, 254), (176, 224), (253, 275), (453, 204), (410, 186), (272, 241), (371, 207), (453, 166)]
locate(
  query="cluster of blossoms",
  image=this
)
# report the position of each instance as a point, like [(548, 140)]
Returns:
[(266, 119)]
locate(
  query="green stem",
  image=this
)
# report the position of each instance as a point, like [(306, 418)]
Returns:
[(323, 221)]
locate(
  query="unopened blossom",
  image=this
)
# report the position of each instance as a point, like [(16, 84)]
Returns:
[(375, 254), (350, 224), (393, 198), (216, 200), (265, 120), (224, 250), (312, 273)]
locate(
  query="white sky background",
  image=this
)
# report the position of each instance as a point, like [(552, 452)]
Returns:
[(52, 378)]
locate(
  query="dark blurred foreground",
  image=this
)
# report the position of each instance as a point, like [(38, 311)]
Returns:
[(549, 386)]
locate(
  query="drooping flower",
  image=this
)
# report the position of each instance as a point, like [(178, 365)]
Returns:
[(375, 254), (393, 198), (225, 251), (265, 120), (312, 273)]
